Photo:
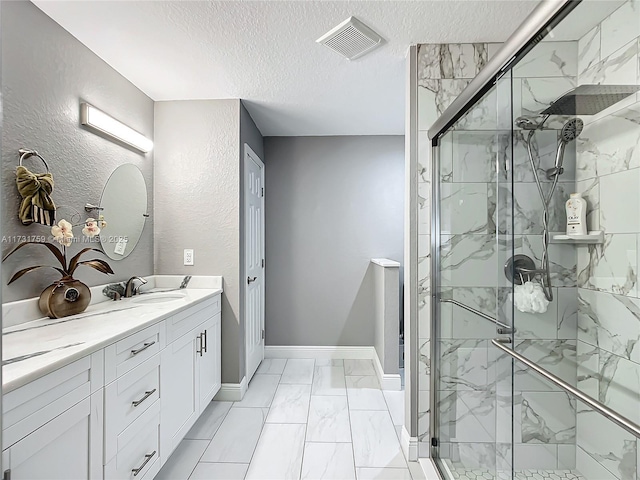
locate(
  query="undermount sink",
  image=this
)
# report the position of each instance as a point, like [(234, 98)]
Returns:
[(158, 297)]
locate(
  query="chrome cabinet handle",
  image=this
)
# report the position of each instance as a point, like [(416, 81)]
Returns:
[(199, 337), (204, 335), (142, 348), (251, 280), (146, 395), (147, 458)]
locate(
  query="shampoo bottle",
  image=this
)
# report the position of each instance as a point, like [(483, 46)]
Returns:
[(576, 215)]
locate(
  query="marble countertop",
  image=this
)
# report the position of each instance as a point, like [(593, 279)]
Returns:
[(32, 349)]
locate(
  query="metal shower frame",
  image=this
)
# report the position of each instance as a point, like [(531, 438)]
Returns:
[(536, 27)]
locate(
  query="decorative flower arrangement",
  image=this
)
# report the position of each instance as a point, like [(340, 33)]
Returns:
[(67, 296)]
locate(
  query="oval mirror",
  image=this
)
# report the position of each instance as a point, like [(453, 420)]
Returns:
[(124, 203)]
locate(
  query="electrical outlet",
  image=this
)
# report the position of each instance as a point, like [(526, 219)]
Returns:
[(120, 246), (188, 256)]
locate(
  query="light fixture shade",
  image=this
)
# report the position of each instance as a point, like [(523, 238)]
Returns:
[(100, 121)]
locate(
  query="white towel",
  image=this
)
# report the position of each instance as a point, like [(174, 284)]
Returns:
[(530, 298)]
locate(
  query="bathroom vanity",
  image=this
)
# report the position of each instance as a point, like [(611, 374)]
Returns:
[(111, 392)]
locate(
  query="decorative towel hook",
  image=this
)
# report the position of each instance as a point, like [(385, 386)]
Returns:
[(36, 206)]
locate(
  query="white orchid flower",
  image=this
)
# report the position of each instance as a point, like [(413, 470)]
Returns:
[(63, 233), (91, 228)]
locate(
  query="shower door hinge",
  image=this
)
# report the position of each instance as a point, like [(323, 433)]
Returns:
[(263, 263), (434, 442), (263, 334), (262, 192)]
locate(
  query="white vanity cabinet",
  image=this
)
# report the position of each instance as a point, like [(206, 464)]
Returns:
[(190, 373), (209, 368), (180, 407), (117, 413), (53, 426), (59, 450)]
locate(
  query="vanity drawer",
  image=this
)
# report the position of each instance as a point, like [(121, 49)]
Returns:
[(183, 322), (128, 398), (132, 351), (29, 407), (138, 447)]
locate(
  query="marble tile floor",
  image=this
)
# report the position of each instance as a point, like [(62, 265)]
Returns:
[(300, 419)]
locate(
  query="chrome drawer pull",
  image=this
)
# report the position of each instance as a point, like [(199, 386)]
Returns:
[(146, 395), (199, 350), (142, 348), (148, 457)]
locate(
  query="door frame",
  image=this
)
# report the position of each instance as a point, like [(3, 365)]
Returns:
[(250, 155)]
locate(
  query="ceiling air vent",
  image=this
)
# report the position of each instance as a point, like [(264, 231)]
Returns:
[(351, 39)]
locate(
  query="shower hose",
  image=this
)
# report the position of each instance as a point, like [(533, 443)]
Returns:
[(545, 271)]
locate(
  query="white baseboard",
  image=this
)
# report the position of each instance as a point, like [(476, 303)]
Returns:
[(388, 381), (232, 392), (409, 445), (349, 353)]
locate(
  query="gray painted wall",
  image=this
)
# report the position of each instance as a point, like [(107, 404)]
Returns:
[(46, 73), (332, 204), (198, 172)]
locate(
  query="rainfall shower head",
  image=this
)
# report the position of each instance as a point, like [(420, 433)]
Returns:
[(590, 99)]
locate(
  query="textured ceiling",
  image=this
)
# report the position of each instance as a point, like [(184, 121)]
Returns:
[(265, 53)]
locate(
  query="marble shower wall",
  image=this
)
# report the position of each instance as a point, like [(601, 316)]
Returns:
[(608, 173), (444, 70), (544, 416), (476, 229), (590, 336)]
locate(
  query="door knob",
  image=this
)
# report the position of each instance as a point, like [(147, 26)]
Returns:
[(251, 280)]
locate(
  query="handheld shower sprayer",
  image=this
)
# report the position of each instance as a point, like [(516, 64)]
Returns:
[(569, 132)]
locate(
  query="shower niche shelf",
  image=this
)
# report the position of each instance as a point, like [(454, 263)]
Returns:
[(594, 237)]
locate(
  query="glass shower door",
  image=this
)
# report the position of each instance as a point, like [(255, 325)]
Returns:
[(473, 239)]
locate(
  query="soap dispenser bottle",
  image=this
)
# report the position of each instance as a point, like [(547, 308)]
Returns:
[(576, 215)]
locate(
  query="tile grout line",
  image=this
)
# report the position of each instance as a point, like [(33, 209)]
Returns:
[(394, 430), (210, 440), (353, 450), (265, 421), (306, 424)]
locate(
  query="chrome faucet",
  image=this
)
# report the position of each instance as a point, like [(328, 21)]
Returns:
[(130, 290)]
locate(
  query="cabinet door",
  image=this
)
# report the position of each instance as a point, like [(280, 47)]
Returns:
[(178, 382), (59, 450), (209, 363)]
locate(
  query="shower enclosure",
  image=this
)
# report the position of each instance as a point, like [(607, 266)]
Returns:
[(521, 126)]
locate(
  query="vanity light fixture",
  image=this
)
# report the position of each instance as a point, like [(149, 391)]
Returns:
[(100, 121)]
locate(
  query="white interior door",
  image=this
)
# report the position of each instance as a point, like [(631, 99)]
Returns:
[(254, 259)]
